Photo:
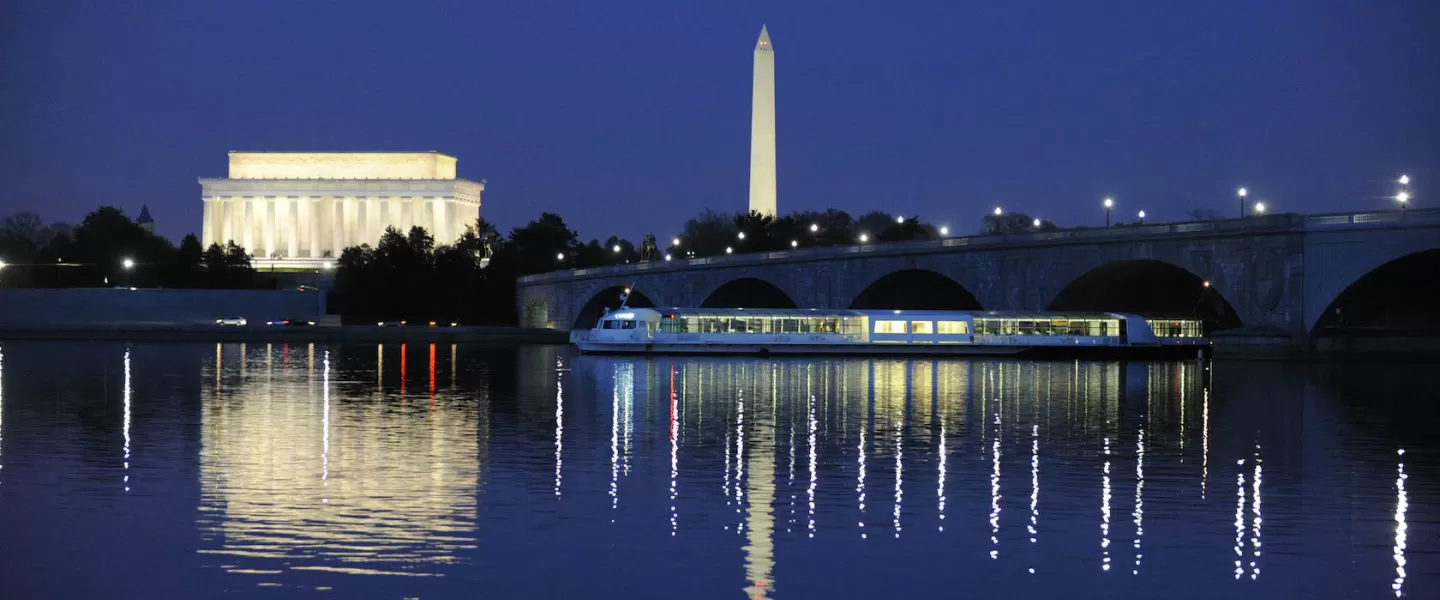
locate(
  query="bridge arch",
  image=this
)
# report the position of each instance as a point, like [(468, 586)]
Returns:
[(1146, 287), (608, 298), (915, 289), (1401, 294), (748, 292)]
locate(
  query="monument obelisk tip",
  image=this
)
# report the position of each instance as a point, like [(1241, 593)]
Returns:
[(764, 42)]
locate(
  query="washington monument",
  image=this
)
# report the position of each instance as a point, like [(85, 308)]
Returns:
[(762, 128)]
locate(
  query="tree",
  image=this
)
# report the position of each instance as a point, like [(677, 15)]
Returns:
[(1012, 223), (829, 228), (188, 271), (227, 267), (907, 230), (534, 247), (619, 251), (707, 234), (873, 224), (28, 226)]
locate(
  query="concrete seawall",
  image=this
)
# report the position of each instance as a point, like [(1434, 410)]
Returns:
[(355, 334), (66, 308)]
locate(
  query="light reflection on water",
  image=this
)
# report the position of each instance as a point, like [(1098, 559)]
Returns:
[(311, 469)]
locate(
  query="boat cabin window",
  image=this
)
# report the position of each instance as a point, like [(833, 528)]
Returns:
[(889, 327), (1184, 328), (1088, 327), (953, 327), (759, 323), (925, 327)]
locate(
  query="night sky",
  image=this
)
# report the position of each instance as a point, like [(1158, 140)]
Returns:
[(628, 117)]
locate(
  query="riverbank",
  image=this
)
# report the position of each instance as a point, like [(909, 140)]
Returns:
[(344, 334)]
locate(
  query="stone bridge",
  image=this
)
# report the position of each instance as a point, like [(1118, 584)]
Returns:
[(1280, 272)]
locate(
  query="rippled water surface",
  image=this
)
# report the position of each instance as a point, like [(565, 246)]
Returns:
[(437, 471)]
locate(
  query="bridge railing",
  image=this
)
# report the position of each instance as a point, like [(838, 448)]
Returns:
[(1265, 224)]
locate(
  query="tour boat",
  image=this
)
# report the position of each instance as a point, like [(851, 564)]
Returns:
[(826, 331)]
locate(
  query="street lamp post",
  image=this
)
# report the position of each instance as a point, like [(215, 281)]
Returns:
[(1404, 195), (1242, 193), (1109, 204), (944, 230), (1259, 208), (1036, 224), (1142, 217)]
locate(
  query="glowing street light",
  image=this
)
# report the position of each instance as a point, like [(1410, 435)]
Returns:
[(128, 264), (1259, 208), (675, 242), (794, 243), (1109, 204), (1036, 224), (560, 256), (1243, 193), (1207, 283), (729, 250), (997, 211), (864, 238), (1142, 217), (617, 248), (742, 235), (667, 257), (1404, 196), (900, 220), (944, 230), (327, 265), (814, 227)]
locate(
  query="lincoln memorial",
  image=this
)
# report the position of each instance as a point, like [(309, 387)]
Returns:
[(302, 209)]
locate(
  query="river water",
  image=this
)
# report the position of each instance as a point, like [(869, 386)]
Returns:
[(441, 471)]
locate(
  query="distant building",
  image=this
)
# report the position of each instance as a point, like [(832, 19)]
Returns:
[(302, 209), (144, 220)]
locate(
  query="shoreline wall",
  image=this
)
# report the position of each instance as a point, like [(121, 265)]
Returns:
[(84, 307)]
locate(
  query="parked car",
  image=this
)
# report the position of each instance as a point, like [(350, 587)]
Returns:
[(231, 322), (391, 324)]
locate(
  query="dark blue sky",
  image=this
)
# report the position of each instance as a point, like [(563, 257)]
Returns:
[(627, 117)]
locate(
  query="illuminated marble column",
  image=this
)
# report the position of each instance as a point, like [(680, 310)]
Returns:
[(434, 222), (247, 218), (336, 217), (374, 224), (350, 222), (315, 204), (269, 222), (207, 222), (227, 220), (292, 227)]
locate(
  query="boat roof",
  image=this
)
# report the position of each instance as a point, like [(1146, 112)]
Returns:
[(874, 313)]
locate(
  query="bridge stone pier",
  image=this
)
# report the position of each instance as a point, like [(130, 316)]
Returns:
[(1278, 273)]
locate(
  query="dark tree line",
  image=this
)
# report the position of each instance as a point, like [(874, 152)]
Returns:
[(107, 248)]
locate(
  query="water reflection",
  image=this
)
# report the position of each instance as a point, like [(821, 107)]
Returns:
[(314, 472), (1401, 506), (395, 492), (125, 423), (2, 412)]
